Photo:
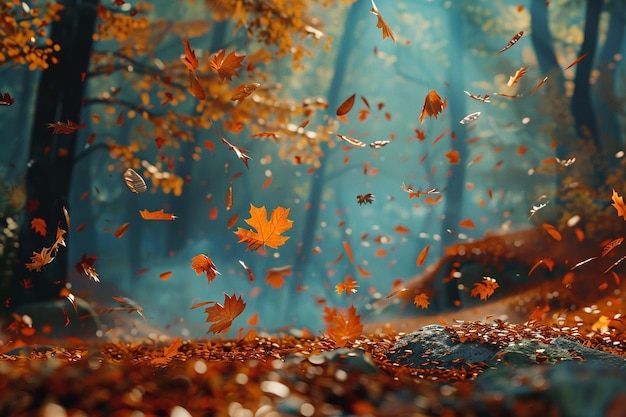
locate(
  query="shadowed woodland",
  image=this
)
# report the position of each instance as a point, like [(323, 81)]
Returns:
[(416, 161)]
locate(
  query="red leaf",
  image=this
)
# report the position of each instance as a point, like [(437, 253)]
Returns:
[(222, 316)]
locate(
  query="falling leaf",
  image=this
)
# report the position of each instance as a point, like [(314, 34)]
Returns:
[(484, 99), (222, 316), (248, 271), (164, 276), (348, 250), (190, 60), (39, 225), (40, 259), (134, 181), (349, 286), (156, 215), (365, 198), (344, 329), (202, 263), (229, 197), (121, 230), (381, 24), (226, 67), (65, 128), (86, 266), (485, 288), (244, 90), (241, 153), (513, 41), (432, 105), (421, 300), (377, 144), (453, 156), (470, 118), (467, 223), (351, 141), (6, 99), (346, 106), (612, 245), (552, 231), (618, 203), (195, 87), (130, 305), (541, 83), (267, 232), (515, 78), (577, 60), (276, 276), (422, 256)]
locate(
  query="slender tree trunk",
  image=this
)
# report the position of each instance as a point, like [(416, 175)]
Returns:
[(607, 103), (582, 105), (48, 179), (319, 177), (455, 189), (541, 38)]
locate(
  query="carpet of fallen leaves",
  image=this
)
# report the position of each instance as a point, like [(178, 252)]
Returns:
[(266, 376)]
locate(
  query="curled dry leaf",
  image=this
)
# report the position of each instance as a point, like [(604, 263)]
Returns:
[(202, 263), (513, 41), (381, 24), (156, 215), (433, 105), (244, 90), (618, 203), (65, 128), (515, 78), (189, 59)]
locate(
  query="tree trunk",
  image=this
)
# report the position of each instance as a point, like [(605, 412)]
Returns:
[(607, 103), (48, 178), (582, 105)]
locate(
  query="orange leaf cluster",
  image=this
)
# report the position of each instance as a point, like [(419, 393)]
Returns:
[(268, 233)]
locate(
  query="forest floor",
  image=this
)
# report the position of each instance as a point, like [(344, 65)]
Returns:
[(379, 375)]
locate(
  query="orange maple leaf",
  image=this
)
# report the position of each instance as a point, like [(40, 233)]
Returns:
[(190, 60), (222, 316), (485, 288), (432, 105), (421, 300), (226, 67), (39, 260), (618, 203), (202, 263), (39, 225), (267, 232), (344, 329), (381, 24), (276, 276), (156, 215)]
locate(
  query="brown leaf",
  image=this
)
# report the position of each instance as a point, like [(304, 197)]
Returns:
[(195, 87), (202, 263), (381, 24), (346, 106), (432, 105), (515, 78), (618, 203)]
